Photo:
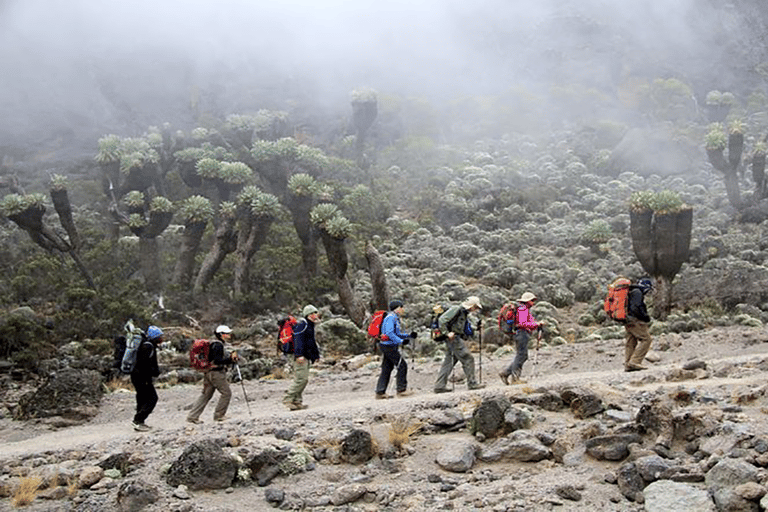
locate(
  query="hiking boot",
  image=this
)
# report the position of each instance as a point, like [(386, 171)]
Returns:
[(504, 378), (141, 427), (401, 394), (475, 386), (196, 421), (382, 396), (632, 367), (222, 418), (443, 390), (299, 406)]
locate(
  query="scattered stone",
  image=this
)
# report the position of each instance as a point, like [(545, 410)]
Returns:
[(457, 457), (665, 496), (203, 465)]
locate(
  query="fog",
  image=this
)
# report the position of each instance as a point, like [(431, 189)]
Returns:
[(92, 66)]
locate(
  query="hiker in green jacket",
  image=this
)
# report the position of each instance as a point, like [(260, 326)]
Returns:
[(454, 326)]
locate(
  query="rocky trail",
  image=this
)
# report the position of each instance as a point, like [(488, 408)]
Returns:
[(729, 375)]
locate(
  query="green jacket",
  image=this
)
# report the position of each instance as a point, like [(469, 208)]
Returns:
[(456, 316)]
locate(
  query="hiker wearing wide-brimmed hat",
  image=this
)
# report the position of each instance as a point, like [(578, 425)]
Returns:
[(455, 326), (523, 324)]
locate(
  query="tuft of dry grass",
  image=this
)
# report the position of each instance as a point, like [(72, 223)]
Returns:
[(401, 428), (118, 384), (278, 372), (26, 492), (73, 486)]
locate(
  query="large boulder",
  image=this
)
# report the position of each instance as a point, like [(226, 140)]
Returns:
[(70, 393), (203, 465)]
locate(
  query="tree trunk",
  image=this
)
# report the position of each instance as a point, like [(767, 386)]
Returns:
[(190, 245), (149, 257), (63, 207), (662, 298), (225, 242), (671, 243), (249, 239), (379, 292), (338, 261), (641, 230), (352, 306), (300, 207)]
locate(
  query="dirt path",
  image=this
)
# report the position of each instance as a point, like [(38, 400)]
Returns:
[(332, 392)]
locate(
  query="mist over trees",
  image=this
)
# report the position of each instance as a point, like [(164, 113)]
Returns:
[(255, 156)]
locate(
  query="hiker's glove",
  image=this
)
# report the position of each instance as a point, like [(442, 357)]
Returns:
[(479, 324), (413, 335), (234, 356)]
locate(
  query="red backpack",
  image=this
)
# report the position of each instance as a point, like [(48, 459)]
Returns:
[(374, 328), (617, 301), (198, 355), (285, 334), (508, 311)]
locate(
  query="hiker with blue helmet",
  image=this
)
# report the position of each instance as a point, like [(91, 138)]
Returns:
[(391, 339), (144, 371), (636, 330)]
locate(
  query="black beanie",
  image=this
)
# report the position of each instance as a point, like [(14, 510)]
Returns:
[(394, 304)]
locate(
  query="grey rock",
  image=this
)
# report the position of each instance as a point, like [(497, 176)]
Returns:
[(664, 496), (348, 494), (458, 457), (611, 447), (729, 473), (357, 447), (135, 495)]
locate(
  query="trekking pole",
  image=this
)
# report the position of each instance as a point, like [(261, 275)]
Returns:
[(240, 378), (536, 354), (480, 341)]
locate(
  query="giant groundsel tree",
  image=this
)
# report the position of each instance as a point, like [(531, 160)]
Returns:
[(660, 225)]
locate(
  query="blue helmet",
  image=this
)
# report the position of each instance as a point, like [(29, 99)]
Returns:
[(154, 332), (645, 284)]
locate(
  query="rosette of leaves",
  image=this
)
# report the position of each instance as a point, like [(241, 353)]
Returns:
[(58, 182), (208, 168), (596, 233), (160, 215), (196, 209), (109, 149), (134, 201), (234, 173), (322, 213), (13, 204), (199, 133), (241, 127), (136, 221), (311, 158), (264, 206), (135, 154), (302, 184), (271, 124), (715, 144)]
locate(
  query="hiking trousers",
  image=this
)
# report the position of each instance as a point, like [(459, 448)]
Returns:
[(638, 342), (515, 368), (146, 397), (392, 359), (213, 380), (456, 350), (300, 380)]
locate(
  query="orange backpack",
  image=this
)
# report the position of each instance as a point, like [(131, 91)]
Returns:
[(285, 335), (198, 355), (617, 301), (374, 328)]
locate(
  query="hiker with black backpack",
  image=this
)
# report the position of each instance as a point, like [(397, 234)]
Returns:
[(215, 377), (144, 370), (454, 327), (305, 352), (522, 324), (636, 328), (390, 341)]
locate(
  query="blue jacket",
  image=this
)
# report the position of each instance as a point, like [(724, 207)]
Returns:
[(390, 328), (304, 344)]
